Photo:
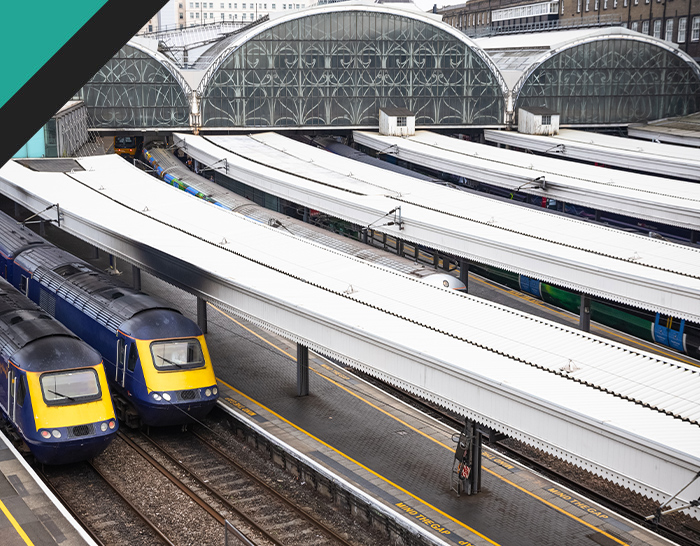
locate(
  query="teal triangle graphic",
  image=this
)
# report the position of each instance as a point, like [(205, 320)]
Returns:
[(29, 40)]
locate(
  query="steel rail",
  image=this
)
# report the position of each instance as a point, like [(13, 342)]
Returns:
[(219, 496), (273, 491), (64, 502), (330, 532), (174, 479), (131, 505)]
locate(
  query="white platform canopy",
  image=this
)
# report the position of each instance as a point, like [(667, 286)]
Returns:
[(634, 269), (670, 202), (601, 405), (643, 156)]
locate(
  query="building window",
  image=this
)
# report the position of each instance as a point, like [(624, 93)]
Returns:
[(196, 15), (181, 15), (273, 6), (588, 3), (597, 5), (211, 5), (243, 16), (401, 121), (669, 30), (614, 4), (635, 25), (624, 3), (605, 4), (222, 5), (578, 8), (645, 27), (546, 120), (695, 30), (681, 29), (657, 28)]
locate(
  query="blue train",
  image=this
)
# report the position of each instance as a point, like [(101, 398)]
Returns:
[(156, 360), (53, 389)]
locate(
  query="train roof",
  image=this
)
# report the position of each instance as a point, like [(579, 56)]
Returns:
[(97, 294), (34, 340), (51, 354), (16, 237)]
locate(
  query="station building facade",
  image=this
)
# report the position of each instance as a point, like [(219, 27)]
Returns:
[(334, 67), (676, 21)]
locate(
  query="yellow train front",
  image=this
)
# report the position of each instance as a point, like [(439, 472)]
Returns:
[(162, 369), (53, 389)]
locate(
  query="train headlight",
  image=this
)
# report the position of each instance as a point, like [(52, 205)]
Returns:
[(156, 397), (207, 392), (103, 427), (167, 396), (215, 391), (112, 424), (46, 434), (56, 433)]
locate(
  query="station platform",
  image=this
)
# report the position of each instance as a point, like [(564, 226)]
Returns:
[(29, 513), (396, 454)]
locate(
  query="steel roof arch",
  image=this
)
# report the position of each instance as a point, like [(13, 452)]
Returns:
[(354, 7), (617, 34)]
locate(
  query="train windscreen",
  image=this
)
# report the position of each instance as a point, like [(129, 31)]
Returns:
[(73, 387), (179, 354)]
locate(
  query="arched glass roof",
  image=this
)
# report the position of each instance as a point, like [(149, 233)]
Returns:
[(335, 66), (137, 88), (605, 76)]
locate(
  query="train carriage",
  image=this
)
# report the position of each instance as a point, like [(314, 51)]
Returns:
[(53, 388), (156, 360)]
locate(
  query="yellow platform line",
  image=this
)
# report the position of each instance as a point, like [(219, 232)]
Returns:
[(531, 494), (16, 525)]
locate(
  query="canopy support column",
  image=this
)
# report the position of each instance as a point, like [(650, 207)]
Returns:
[(585, 315), (302, 370), (202, 314)]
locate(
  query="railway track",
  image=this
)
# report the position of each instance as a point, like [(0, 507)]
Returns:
[(174, 488), (547, 466), (227, 490), (110, 518)]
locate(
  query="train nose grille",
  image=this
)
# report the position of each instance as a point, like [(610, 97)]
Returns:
[(80, 430), (186, 396)]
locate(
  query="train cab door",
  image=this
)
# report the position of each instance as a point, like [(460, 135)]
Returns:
[(669, 331), (11, 385), (16, 391), (120, 371)]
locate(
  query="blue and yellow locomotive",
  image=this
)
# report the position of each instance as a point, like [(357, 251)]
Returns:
[(53, 388), (156, 360)]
